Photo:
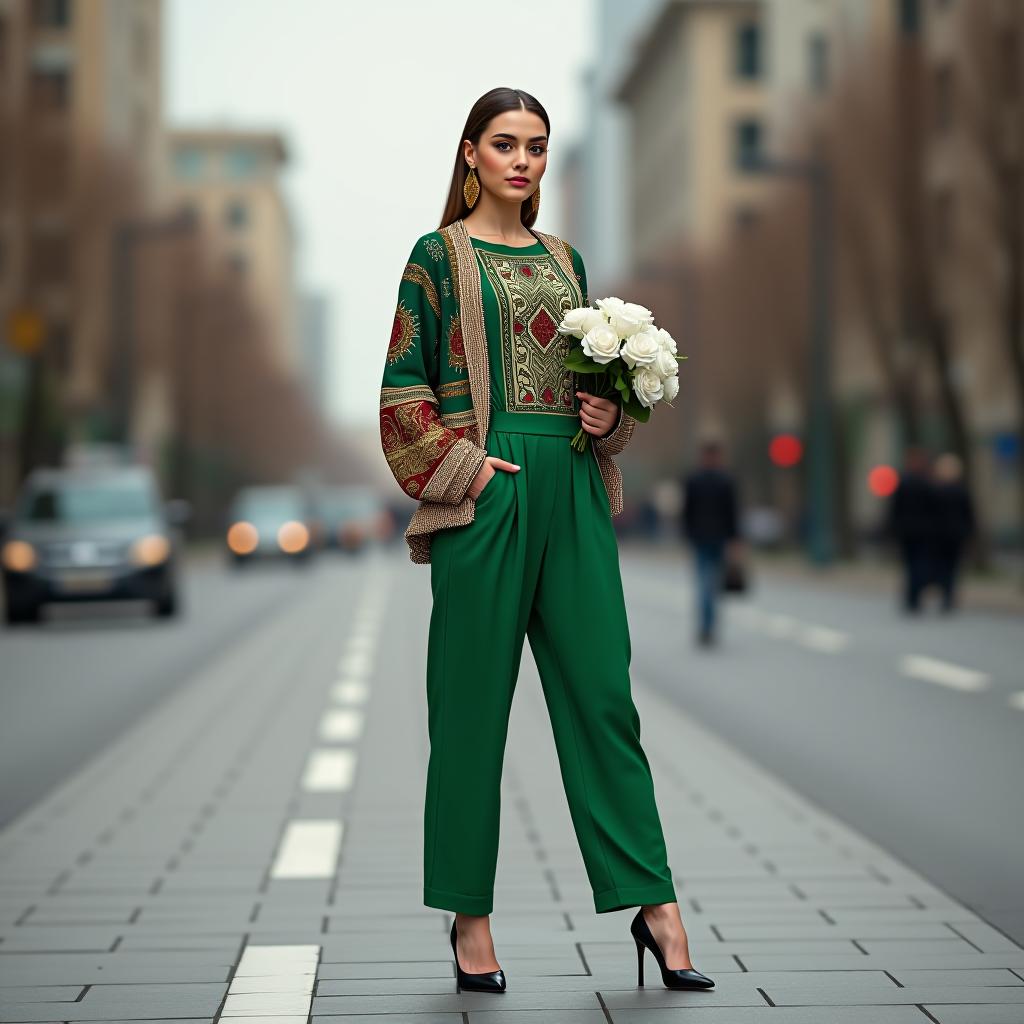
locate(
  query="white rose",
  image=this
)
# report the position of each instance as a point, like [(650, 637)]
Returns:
[(647, 386), (580, 320), (625, 317), (640, 349), (665, 364), (671, 387), (601, 343), (666, 340)]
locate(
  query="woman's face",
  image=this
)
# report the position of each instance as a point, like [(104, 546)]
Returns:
[(513, 146)]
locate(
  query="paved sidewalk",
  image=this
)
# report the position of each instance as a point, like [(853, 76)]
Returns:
[(251, 851)]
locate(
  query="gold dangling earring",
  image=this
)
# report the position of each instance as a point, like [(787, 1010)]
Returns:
[(535, 201), (471, 188)]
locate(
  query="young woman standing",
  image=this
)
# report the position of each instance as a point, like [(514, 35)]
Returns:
[(477, 411)]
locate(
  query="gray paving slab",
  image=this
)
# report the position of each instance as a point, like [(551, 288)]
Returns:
[(139, 884)]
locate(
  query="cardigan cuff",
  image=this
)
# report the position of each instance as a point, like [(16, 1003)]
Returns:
[(450, 481)]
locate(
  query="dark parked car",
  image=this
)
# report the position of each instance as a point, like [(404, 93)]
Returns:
[(270, 520), (91, 534)]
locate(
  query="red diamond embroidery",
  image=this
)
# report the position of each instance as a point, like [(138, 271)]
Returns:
[(543, 327)]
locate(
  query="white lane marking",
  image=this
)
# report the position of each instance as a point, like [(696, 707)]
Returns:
[(1016, 700), (309, 849), (350, 691), (821, 638), (781, 625), (945, 673), (356, 664), (329, 771), (365, 639), (273, 983), (340, 725)]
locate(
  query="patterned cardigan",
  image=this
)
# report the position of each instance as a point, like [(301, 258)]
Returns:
[(435, 391)]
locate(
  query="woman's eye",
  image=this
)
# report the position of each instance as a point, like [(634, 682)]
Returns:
[(539, 148)]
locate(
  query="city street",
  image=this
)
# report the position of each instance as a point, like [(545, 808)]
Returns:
[(221, 816)]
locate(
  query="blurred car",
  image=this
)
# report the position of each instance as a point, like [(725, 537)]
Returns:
[(270, 521), (91, 534), (351, 517)]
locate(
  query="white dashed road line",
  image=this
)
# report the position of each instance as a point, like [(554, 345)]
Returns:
[(330, 771), (273, 983), (309, 849), (341, 725), (945, 673)]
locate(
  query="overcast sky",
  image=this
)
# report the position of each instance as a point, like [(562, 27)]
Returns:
[(371, 98)]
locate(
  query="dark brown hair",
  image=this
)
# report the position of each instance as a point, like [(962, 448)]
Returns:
[(492, 103)]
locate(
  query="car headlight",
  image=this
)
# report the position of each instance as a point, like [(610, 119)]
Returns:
[(292, 537), (19, 555), (150, 550), (243, 538)]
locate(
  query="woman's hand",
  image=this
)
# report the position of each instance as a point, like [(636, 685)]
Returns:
[(491, 466), (598, 414)]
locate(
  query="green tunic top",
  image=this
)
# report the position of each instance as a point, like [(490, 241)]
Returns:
[(525, 295)]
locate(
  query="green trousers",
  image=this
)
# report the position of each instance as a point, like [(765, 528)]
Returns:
[(541, 560)]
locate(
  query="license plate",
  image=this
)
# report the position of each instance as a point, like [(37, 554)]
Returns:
[(78, 581)]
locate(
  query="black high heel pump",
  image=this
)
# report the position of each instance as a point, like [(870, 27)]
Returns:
[(485, 981), (673, 977)]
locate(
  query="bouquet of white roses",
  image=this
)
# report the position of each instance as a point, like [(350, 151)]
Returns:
[(627, 354)]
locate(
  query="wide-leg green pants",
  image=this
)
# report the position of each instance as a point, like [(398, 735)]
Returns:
[(539, 559)]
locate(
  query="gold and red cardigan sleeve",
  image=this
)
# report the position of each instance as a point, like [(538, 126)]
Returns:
[(430, 461)]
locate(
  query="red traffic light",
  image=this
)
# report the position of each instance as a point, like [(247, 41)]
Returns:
[(785, 450)]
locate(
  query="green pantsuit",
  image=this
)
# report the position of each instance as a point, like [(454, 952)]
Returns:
[(540, 559)]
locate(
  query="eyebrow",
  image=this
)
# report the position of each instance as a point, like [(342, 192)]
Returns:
[(506, 135)]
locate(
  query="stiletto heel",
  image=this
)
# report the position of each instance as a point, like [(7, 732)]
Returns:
[(485, 981), (673, 977)]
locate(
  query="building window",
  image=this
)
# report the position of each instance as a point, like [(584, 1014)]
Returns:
[(241, 162), (747, 150), (817, 61), (3, 45), (189, 162), (236, 214), (51, 13), (909, 14), (745, 216), (49, 90), (942, 111), (747, 43)]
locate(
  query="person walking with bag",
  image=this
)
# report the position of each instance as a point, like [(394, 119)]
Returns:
[(477, 411)]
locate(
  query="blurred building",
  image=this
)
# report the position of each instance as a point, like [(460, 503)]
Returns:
[(687, 97), (232, 181), (81, 150), (316, 368)]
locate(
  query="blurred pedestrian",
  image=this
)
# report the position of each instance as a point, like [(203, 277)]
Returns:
[(710, 516), (910, 522), (954, 524)]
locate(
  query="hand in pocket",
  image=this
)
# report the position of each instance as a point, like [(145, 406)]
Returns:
[(491, 465)]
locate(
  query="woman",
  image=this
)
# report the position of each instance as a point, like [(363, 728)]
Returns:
[(477, 411)]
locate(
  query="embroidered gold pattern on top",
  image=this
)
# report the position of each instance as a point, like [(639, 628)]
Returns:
[(532, 299), (453, 389), (410, 393), (415, 273), (433, 247), (456, 345), (404, 331)]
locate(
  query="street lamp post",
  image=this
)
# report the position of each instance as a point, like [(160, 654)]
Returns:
[(820, 451)]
